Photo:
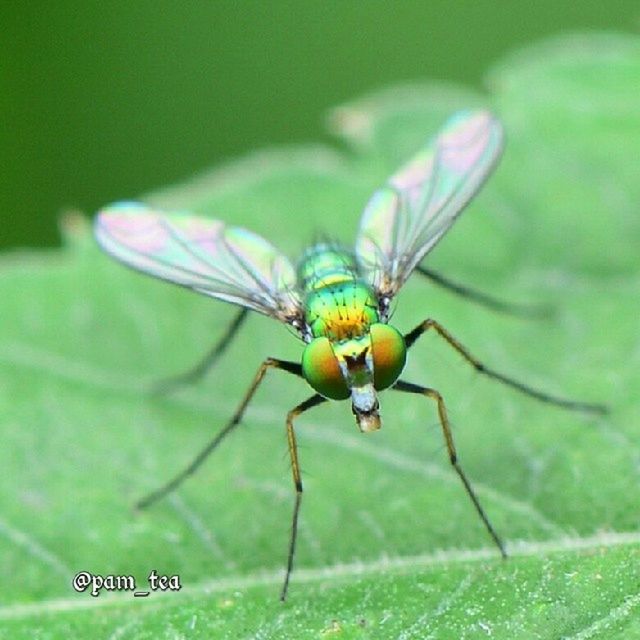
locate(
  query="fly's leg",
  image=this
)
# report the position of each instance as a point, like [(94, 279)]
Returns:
[(313, 401), (485, 300), (543, 396), (269, 363), (408, 387), (200, 368)]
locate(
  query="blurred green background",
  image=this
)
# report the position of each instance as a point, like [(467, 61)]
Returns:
[(105, 100)]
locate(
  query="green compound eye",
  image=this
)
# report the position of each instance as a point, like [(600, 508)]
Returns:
[(321, 370), (389, 354)]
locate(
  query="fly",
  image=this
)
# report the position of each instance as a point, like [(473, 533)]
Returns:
[(337, 300)]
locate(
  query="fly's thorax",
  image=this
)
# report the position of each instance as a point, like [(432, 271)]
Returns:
[(322, 263), (341, 310), (338, 304)]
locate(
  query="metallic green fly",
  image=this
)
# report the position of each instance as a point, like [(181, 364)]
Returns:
[(337, 300)]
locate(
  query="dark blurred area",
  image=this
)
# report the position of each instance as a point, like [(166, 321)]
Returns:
[(102, 101)]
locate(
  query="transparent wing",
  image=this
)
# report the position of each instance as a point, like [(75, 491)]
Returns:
[(405, 219), (228, 263)]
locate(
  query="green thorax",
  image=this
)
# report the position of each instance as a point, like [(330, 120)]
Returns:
[(338, 303)]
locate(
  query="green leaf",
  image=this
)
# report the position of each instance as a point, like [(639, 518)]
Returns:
[(389, 544)]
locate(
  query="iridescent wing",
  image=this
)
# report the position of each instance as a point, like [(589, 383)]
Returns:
[(405, 219), (228, 263)]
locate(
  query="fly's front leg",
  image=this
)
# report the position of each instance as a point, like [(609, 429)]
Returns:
[(269, 363), (576, 405), (408, 387), (297, 481)]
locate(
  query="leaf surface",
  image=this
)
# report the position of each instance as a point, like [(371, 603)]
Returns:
[(389, 544)]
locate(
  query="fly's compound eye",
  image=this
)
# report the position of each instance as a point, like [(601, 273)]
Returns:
[(389, 354), (321, 370)]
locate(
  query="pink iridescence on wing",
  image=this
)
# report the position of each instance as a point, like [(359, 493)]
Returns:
[(140, 233), (465, 143)]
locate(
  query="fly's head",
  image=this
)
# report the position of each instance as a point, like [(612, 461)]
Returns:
[(357, 368)]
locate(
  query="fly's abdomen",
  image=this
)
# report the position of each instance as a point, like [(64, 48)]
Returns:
[(338, 303)]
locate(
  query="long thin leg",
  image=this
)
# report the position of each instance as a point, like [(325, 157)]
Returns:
[(408, 387), (269, 363), (485, 300), (297, 481), (576, 405), (200, 368)]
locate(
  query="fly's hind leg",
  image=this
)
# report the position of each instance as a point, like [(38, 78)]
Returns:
[(197, 371), (528, 311)]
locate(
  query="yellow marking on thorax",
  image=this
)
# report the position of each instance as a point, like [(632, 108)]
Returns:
[(332, 278), (345, 322)]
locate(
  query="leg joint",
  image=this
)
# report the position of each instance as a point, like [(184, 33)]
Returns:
[(434, 394)]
